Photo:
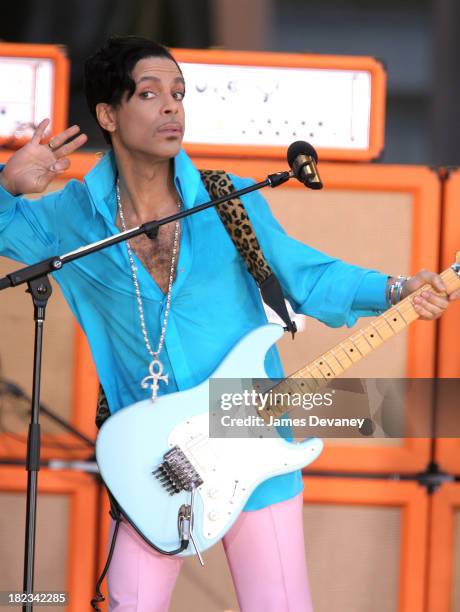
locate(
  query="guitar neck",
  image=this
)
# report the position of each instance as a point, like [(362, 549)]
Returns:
[(344, 355)]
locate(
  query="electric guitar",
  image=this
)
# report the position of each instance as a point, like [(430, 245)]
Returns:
[(174, 482)]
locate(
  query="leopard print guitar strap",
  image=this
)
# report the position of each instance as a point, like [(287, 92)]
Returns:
[(238, 225)]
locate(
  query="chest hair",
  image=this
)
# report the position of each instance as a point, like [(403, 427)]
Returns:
[(156, 254)]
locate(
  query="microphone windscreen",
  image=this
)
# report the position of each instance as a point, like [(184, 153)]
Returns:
[(300, 147)]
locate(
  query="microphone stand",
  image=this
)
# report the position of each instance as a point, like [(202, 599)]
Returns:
[(36, 278)]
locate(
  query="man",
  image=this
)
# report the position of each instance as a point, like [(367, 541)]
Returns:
[(183, 299)]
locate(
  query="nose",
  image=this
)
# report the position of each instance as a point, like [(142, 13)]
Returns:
[(170, 105)]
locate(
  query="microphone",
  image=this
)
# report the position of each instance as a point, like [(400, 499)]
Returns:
[(302, 159)]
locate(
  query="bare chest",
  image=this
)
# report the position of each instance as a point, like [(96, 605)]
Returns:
[(156, 255)]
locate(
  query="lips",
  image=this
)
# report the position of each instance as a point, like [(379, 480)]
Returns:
[(171, 128)]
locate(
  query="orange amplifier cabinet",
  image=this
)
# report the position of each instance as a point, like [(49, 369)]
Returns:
[(254, 104), (444, 549), (66, 533), (448, 449), (377, 529)]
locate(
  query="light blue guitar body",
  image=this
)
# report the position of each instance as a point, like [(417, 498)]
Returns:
[(132, 443)]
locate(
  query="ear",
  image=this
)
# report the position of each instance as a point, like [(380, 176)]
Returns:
[(106, 116)]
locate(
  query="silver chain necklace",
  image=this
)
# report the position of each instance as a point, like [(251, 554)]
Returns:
[(155, 367)]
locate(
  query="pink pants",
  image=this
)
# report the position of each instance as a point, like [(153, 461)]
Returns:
[(266, 555)]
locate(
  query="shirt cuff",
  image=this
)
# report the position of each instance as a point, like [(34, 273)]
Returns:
[(371, 293), (7, 199)]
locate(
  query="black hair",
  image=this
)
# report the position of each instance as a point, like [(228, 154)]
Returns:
[(108, 71)]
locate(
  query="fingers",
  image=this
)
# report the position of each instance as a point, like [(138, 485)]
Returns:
[(39, 132), (70, 147), (430, 306), (436, 300), (434, 279), (423, 312), (57, 141), (438, 283), (57, 144)]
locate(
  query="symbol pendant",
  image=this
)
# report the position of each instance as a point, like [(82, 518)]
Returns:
[(156, 374)]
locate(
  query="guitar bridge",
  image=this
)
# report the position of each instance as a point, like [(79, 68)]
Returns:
[(176, 473)]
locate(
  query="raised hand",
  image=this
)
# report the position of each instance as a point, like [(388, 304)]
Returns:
[(35, 165)]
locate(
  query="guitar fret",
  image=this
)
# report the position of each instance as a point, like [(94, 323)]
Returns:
[(333, 363), (316, 384), (302, 373), (343, 358), (316, 372), (311, 384), (297, 384), (400, 311), (364, 337), (410, 314), (307, 373), (394, 320), (373, 336), (307, 379), (363, 346), (280, 387), (353, 341), (350, 350), (376, 328), (325, 370), (385, 330)]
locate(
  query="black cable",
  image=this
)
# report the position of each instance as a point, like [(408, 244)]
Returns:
[(116, 514), (99, 597)]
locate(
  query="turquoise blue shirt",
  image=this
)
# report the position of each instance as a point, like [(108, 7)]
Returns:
[(214, 300)]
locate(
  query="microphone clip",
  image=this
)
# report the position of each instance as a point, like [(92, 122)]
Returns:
[(279, 178)]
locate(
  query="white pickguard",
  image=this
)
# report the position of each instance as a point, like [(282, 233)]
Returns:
[(232, 467)]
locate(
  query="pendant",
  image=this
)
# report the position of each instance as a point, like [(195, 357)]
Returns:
[(156, 374)]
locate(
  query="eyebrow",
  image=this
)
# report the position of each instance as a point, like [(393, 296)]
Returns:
[(178, 79)]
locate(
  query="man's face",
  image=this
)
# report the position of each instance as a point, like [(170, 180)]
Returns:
[(152, 121)]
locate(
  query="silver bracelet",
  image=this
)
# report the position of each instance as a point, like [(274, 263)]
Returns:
[(394, 290)]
